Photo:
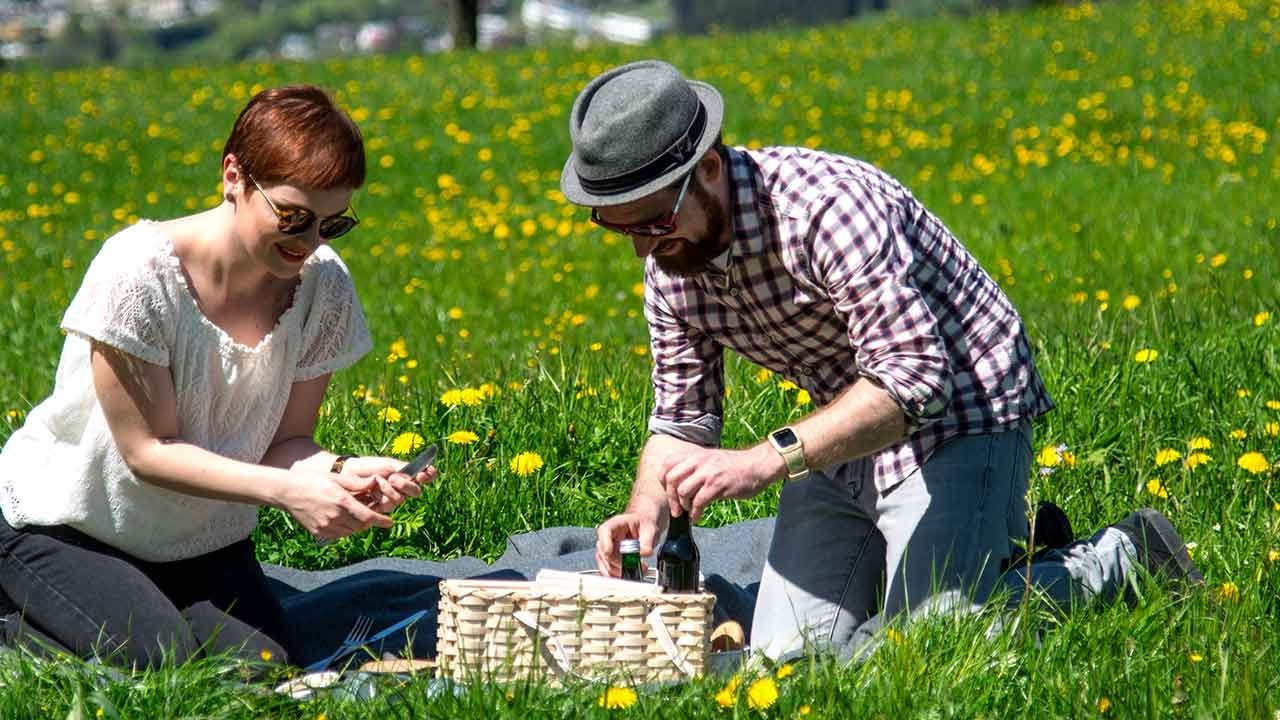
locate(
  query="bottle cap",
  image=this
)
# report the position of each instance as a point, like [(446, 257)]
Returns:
[(630, 545)]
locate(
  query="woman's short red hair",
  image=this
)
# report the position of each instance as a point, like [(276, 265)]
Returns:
[(297, 135)]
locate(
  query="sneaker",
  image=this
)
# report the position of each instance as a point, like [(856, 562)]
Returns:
[(1160, 548), (1051, 530)]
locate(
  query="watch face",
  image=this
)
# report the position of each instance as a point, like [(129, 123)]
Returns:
[(785, 437)]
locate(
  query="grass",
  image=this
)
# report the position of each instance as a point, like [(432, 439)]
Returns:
[(1114, 167)]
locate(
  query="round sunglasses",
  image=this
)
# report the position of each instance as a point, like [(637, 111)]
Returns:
[(297, 220), (664, 225)]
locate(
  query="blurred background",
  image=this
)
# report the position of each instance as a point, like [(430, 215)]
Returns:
[(133, 33)]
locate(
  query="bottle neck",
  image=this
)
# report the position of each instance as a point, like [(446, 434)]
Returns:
[(679, 526)]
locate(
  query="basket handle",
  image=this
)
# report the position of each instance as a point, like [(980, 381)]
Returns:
[(668, 644), (557, 656)]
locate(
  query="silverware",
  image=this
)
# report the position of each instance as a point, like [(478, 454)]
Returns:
[(355, 638)]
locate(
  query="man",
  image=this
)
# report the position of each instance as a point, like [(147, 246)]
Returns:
[(904, 490)]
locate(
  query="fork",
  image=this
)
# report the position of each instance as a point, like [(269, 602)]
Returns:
[(355, 638)]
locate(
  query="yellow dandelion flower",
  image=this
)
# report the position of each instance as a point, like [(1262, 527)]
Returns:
[(1271, 429), (526, 463), (1228, 591), (1242, 393), (471, 397), (1146, 355), (802, 398), (265, 655), (1166, 456), (400, 349), (1218, 260), (763, 375), (451, 398), (389, 415), (1261, 318), (1273, 404), (805, 710), (897, 637), (462, 437), (787, 385), (785, 671), (762, 694), (1273, 555), (1253, 462), (1194, 656), (1048, 456), (728, 695), (1157, 488), (1131, 302), (488, 390), (1102, 296), (1239, 434), (617, 698), (455, 313), (1078, 297), (1104, 704), (407, 443), (1196, 459), (1199, 442)]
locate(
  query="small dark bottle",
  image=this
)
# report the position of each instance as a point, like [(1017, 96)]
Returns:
[(678, 558), (631, 560)]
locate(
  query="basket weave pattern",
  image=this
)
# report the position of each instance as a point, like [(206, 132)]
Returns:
[(501, 634)]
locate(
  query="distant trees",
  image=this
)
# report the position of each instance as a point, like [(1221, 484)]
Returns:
[(695, 16), (463, 23)]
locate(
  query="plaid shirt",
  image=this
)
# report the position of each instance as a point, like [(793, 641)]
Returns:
[(836, 272)]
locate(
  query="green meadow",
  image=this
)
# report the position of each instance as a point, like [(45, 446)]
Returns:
[(1113, 166)]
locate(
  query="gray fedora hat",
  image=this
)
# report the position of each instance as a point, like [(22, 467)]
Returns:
[(636, 129)]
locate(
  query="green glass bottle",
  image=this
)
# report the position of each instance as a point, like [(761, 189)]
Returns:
[(631, 560), (678, 558)]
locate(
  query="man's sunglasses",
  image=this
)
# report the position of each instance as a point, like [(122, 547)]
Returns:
[(295, 221), (664, 225)]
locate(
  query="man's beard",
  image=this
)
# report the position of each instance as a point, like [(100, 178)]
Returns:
[(695, 255)]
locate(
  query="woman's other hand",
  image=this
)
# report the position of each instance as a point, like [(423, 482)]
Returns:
[(393, 486)]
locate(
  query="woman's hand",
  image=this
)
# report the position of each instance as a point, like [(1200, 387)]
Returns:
[(328, 505), (393, 486)]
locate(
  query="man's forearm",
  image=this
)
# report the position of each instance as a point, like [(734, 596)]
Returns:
[(863, 420)]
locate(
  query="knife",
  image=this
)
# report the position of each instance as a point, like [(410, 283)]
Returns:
[(415, 617)]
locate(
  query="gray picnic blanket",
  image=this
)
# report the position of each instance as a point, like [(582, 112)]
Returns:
[(323, 605)]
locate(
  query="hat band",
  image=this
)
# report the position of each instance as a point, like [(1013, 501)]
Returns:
[(673, 157)]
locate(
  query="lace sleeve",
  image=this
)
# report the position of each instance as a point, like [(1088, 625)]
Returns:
[(123, 302), (335, 335)]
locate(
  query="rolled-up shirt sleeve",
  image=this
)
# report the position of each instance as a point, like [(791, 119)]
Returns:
[(688, 376), (864, 260)]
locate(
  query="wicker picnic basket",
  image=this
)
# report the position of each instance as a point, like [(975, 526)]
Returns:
[(502, 631)]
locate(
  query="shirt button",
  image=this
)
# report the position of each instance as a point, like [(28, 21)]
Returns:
[(806, 371), (733, 292)]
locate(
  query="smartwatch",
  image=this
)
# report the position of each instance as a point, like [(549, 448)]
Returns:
[(788, 445)]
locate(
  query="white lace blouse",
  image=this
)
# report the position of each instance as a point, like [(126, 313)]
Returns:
[(62, 466)]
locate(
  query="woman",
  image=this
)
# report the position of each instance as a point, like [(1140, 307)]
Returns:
[(198, 352)]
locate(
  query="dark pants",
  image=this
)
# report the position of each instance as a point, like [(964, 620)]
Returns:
[(73, 593)]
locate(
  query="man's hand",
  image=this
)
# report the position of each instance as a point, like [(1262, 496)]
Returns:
[(695, 477), (643, 521)]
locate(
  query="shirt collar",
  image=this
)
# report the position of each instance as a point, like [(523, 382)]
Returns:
[(744, 213)]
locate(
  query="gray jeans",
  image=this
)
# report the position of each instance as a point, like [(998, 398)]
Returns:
[(846, 558)]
